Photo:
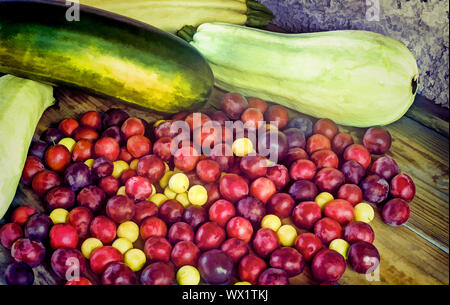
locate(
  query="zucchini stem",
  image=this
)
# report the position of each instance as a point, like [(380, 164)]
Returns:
[(258, 15), (187, 33)]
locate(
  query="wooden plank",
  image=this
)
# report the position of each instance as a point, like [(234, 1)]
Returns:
[(407, 258), (429, 114)]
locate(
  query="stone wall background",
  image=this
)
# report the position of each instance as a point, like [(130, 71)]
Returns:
[(422, 25)]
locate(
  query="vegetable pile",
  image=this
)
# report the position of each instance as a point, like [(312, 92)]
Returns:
[(130, 206)]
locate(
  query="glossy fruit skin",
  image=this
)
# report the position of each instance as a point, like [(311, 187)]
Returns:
[(120, 208), (158, 273), (37, 227), (305, 214), (209, 236), (385, 167), (308, 245), (103, 228), (31, 252), (302, 170), (353, 171), (57, 157), (65, 259), (402, 186), (273, 276), (235, 248), (350, 192), (289, 260), (329, 179), (171, 211), (326, 127), (195, 216), (92, 197), (295, 137), (114, 117), (186, 158), (325, 158), (395, 212), (138, 188), (252, 118), (303, 190), (118, 274), (9, 233), (109, 185), (215, 267), (327, 229), (251, 209), (132, 126), (233, 187), (340, 142), (115, 133), (265, 242), (33, 165), (151, 167), (152, 226), (68, 126), (208, 170), (257, 103), (185, 253), (19, 274), (250, 268), (241, 228), (80, 218), (37, 149), (358, 231), (358, 153), (262, 188), (157, 248), (60, 197), (328, 265), (52, 135), (161, 148), (91, 119), (104, 256), (180, 231), (77, 176), (21, 214), (253, 166), (138, 146), (234, 105), (294, 154), (221, 211), (363, 257), (281, 205), (82, 151), (317, 142), (107, 147), (340, 210), (102, 167), (277, 114), (63, 235), (279, 175), (377, 140), (45, 180), (375, 189)]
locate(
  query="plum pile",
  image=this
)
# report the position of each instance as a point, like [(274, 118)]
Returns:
[(241, 195)]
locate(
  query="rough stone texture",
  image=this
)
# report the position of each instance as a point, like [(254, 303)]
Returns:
[(423, 26)]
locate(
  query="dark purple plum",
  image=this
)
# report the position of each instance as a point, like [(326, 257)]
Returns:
[(19, 274), (38, 226), (113, 132), (37, 149), (302, 123), (68, 262), (353, 172), (52, 136), (363, 257), (273, 276), (77, 176), (118, 274), (385, 167), (215, 267), (273, 145), (114, 117), (159, 273), (195, 216), (30, 252), (303, 190), (295, 137), (60, 197), (375, 189), (251, 209)]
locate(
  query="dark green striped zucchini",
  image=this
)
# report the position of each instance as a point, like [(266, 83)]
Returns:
[(102, 53)]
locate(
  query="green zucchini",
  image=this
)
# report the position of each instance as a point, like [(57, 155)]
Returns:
[(102, 53), (22, 102), (355, 78)]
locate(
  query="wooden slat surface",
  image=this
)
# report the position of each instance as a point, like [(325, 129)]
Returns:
[(413, 254)]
